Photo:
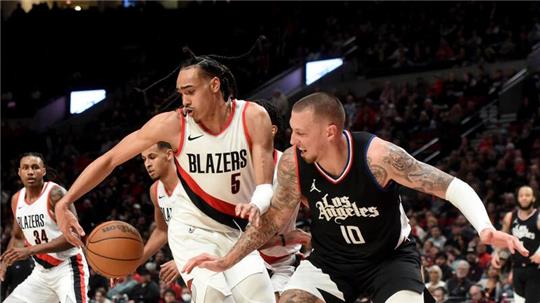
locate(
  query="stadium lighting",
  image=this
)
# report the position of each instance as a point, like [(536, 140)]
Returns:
[(80, 101), (317, 69)]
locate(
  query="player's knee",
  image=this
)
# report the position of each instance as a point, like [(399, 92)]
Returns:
[(298, 296), (255, 288), (406, 296)]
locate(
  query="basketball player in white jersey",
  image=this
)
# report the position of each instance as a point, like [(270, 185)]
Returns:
[(61, 273), (159, 163), (281, 253), (223, 153)]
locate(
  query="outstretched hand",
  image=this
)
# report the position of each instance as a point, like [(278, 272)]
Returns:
[(501, 239), (249, 211), (68, 224), (14, 254), (169, 272), (207, 261)]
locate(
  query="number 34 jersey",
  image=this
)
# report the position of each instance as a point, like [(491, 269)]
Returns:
[(38, 224), (353, 218)]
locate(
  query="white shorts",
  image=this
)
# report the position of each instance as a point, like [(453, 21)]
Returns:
[(187, 241), (65, 283), (281, 272), (311, 279)]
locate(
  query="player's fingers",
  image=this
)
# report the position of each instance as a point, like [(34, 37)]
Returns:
[(510, 245), (237, 209), (78, 228), (191, 263), (245, 211), (521, 249)]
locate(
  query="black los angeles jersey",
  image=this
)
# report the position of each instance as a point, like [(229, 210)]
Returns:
[(528, 233), (353, 218)]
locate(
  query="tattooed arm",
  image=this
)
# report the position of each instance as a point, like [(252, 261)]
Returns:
[(391, 162), (388, 161), (286, 198)]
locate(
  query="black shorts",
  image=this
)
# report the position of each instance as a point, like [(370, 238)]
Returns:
[(526, 281), (378, 280)]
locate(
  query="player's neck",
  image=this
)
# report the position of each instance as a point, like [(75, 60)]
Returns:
[(217, 119), (523, 214), (169, 180), (334, 160), (33, 192)]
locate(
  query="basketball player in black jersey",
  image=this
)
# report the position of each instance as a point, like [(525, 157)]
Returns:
[(524, 223), (360, 234)]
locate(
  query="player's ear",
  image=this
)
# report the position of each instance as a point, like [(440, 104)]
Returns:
[(332, 131), (215, 84), (170, 154)]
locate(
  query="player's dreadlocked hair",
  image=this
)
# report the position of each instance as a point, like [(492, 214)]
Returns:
[(212, 68), (210, 65)]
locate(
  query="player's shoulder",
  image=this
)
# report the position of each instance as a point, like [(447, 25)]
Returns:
[(254, 111), (173, 115)]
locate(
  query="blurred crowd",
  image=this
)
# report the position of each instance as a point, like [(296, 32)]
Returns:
[(457, 267)]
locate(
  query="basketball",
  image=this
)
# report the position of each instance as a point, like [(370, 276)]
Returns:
[(114, 249)]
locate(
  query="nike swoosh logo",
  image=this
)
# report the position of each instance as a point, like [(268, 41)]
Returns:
[(161, 197), (190, 138)]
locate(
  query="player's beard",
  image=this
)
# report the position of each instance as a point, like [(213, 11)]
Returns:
[(528, 207)]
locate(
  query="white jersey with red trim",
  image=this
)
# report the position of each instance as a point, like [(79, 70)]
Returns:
[(215, 171), (166, 200), (275, 254), (38, 225)]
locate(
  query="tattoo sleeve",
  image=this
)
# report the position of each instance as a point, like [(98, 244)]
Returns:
[(286, 198), (395, 163)]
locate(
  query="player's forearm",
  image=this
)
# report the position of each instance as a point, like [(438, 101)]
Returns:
[(462, 196), (274, 241), (253, 238), (157, 239), (92, 175), (56, 245)]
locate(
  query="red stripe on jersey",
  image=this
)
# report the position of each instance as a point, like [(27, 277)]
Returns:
[(182, 131), (244, 124), (271, 259), (81, 275), (49, 259), (220, 205)]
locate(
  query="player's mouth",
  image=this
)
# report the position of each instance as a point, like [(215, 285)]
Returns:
[(31, 180), (188, 111)]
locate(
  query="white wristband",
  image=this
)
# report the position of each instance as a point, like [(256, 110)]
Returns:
[(262, 196), (467, 201)]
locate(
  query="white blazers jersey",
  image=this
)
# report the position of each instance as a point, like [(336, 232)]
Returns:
[(38, 225), (275, 254), (166, 200), (215, 171)]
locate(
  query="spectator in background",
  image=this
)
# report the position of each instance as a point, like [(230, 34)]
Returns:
[(441, 260), (281, 103), (170, 297), (145, 291), (475, 271), (458, 286), (439, 294), (435, 275), (437, 238), (100, 296), (477, 295), (122, 288)]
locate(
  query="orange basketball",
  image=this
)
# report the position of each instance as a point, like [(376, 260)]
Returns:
[(114, 249)]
